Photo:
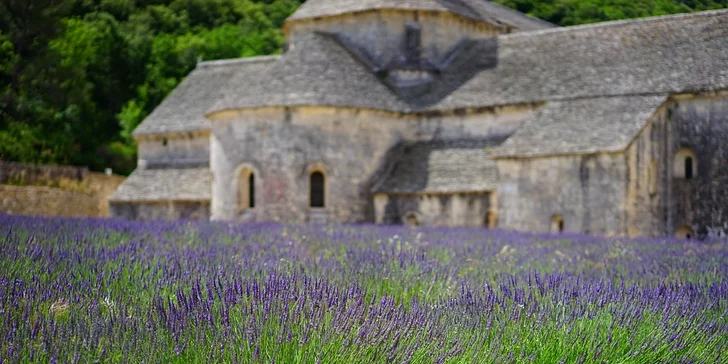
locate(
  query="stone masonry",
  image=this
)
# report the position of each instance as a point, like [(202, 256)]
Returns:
[(450, 113)]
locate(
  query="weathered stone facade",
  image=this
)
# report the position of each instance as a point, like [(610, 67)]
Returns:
[(698, 123), (434, 113), (175, 150), (352, 147), (451, 209)]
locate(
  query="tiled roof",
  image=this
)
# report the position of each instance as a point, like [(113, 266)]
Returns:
[(317, 71), (322, 8), (184, 109), (647, 57), (442, 167), (479, 10), (603, 124), (149, 185), (673, 54)]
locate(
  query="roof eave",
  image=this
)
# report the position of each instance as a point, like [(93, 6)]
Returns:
[(435, 192), (112, 199)]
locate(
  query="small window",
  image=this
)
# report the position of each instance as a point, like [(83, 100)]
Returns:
[(246, 189), (557, 224), (411, 220), (685, 232), (317, 189), (685, 166)]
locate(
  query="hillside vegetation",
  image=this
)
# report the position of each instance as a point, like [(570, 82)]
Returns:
[(77, 76)]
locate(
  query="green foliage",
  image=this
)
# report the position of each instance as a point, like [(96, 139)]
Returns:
[(77, 76)]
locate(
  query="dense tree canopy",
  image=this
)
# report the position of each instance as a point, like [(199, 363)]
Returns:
[(77, 76)]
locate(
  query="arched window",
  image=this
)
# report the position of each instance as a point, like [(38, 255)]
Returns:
[(557, 224), (246, 189), (317, 192), (685, 166)]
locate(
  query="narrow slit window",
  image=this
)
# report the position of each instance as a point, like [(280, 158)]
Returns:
[(689, 168), (251, 190), (246, 189), (317, 192)]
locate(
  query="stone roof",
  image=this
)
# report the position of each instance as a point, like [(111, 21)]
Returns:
[(653, 56), (323, 8), (603, 124), (672, 54), (504, 14), (480, 10), (442, 167), (316, 71), (150, 185), (184, 109)]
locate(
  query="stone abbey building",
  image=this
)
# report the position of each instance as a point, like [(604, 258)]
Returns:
[(450, 113)]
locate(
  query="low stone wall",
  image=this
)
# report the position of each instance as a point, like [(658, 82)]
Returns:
[(103, 186), (48, 201), (21, 174), (55, 191)]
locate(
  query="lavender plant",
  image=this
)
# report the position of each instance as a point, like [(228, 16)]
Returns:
[(87, 290)]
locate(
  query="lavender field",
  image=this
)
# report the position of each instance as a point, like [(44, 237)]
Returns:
[(113, 291)]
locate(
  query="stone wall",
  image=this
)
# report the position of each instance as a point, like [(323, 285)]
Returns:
[(587, 191), (457, 209), (382, 32), (701, 125), (283, 145), (643, 191), (49, 201), (647, 165), (177, 210), (103, 187), (174, 150), (21, 174), (55, 191)]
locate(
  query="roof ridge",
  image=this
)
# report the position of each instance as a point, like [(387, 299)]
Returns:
[(317, 11), (516, 12), (237, 61), (619, 23)]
